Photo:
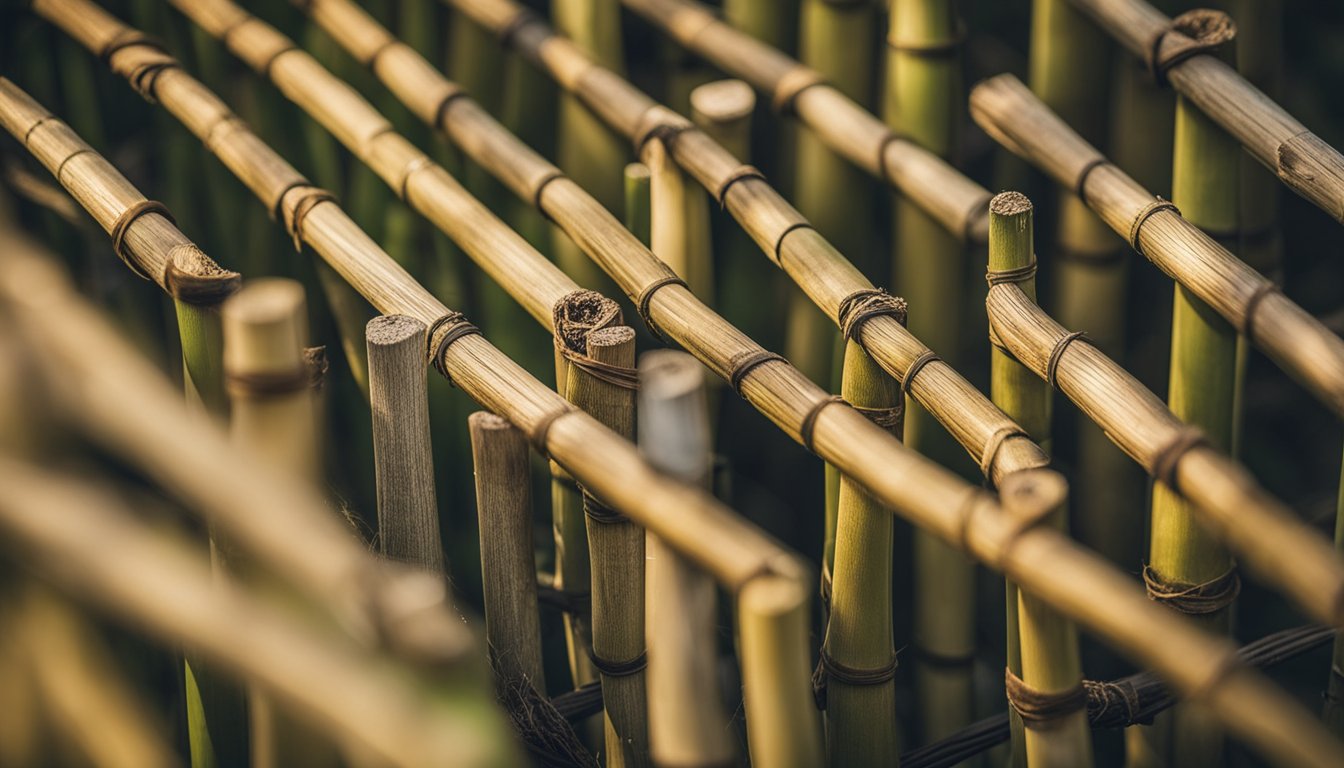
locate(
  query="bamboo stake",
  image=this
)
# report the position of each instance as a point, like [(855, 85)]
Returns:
[(1305, 163), (368, 704), (508, 566), (1298, 343), (775, 23), (150, 244), (950, 198), (679, 222), (1333, 713), (687, 721), (408, 513), (723, 109), (638, 206)]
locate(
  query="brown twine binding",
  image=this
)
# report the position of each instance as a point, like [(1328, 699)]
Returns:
[(457, 328), (1080, 186), (610, 668), (743, 363), (309, 198), (1148, 210), (123, 225), (809, 425), (61, 168), (646, 296), (1253, 304), (1193, 599), (1114, 704), (829, 669), (915, 368), (1197, 32), (779, 243), (510, 30), (599, 511), (1042, 710), (994, 443), (1020, 274), (571, 601), (741, 173), (542, 428), (1057, 354), (615, 375), (258, 385), (889, 419), (550, 176), (666, 133), (1168, 457), (863, 305)]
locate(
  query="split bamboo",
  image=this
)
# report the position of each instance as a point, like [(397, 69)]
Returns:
[(408, 512), (1300, 158), (1301, 345), (508, 565), (952, 199), (688, 724)]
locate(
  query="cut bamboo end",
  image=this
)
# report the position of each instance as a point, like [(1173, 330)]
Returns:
[(724, 109), (408, 514), (508, 565)]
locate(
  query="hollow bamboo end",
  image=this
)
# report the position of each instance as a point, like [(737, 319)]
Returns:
[(1033, 493), (580, 313), (723, 101)]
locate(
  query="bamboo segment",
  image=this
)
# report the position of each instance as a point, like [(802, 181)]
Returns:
[(687, 721), (508, 566), (723, 109), (638, 206), (1300, 345), (1309, 166), (679, 222), (408, 513), (1333, 714), (955, 201)]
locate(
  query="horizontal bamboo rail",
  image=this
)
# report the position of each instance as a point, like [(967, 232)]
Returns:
[(1301, 159), (1267, 537), (791, 243), (705, 531), (948, 196), (1301, 345)]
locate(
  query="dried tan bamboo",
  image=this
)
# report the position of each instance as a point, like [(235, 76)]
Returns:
[(1303, 161), (162, 584), (508, 565), (408, 511), (143, 234), (687, 721), (807, 257), (949, 197), (1301, 345), (1268, 538)]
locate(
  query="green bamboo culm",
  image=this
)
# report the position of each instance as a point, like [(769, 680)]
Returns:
[(1333, 711), (836, 40), (774, 22), (861, 718), (1042, 646), (924, 99), (1070, 61), (637, 201), (1201, 392), (586, 149)]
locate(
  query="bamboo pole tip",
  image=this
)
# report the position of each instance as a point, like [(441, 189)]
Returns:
[(265, 325), (723, 101), (393, 330), (580, 313), (667, 374), (638, 172), (615, 336), (1010, 204), (1033, 493), (485, 421), (772, 596)]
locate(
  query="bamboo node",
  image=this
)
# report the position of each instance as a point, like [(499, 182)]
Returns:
[(599, 512), (1209, 597), (418, 164), (809, 425), (995, 442), (127, 38), (310, 197), (521, 18), (1196, 32), (264, 385), (625, 668), (542, 429), (1057, 354), (791, 85), (87, 150), (1168, 457), (1020, 274), (455, 327), (1042, 710), (931, 49), (372, 61), (1080, 185), (1136, 228), (779, 243), (550, 176), (664, 129), (891, 138), (863, 305), (745, 362), (741, 173), (123, 224), (1252, 305), (441, 111), (915, 367), (645, 298), (829, 669)]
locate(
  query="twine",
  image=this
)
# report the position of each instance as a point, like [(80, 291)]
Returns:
[(1199, 31), (861, 306), (646, 296), (1142, 217), (455, 328), (1015, 275), (829, 669), (1080, 186), (626, 668), (1209, 597), (914, 369), (542, 428), (1057, 354), (743, 363), (123, 225), (809, 425), (1166, 459), (741, 173), (1042, 710), (310, 197)]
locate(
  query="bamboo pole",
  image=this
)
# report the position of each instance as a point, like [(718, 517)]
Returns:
[(638, 211), (679, 222), (508, 566), (723, 109), (1333, 713), (687, 721), (947, 196), (1298, 343), (408, 512), (369, 705), (145, 238), (1302, 161)]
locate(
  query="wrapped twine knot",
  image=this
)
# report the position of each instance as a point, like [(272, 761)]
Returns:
[(1188, 35), (1209, 597), (1042, 710), (829, 669)]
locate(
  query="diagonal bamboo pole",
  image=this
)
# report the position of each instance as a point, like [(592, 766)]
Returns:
[(1300, 344)]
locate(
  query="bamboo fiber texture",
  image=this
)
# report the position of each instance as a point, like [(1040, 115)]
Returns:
[(810, 260), (1267, 536), (951, 198), (1300, 344), (705, 531), (1301, 159)]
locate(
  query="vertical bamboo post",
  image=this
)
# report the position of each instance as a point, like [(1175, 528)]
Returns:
[(1201, 392), (508, 565), (1333, 713), (924, 99), (774, 22), (836, 40), (265, 331), (687, 722), (723, 110), (679, 221), (408, 512), (858, 654), (638, 211)]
